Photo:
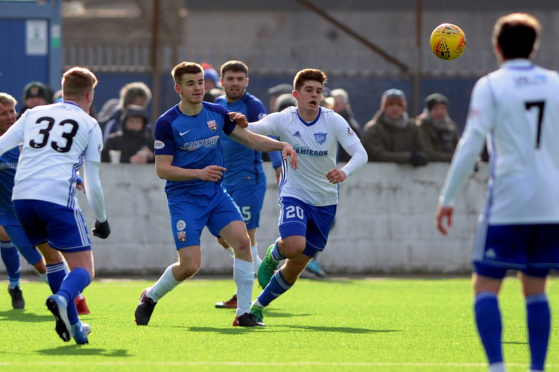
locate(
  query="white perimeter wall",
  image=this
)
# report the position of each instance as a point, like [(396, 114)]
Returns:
[(384, 224)]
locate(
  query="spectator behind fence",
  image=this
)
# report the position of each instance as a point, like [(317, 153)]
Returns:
[(342, 107), (439, 133), (275, 92), (284, 101), (211, 83), (135, 93), (391, 136), (132, 144), (35, 94)]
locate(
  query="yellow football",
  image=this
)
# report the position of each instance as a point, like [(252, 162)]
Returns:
[(448, 41)]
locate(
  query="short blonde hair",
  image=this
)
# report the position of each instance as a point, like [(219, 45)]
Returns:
[(77, 82), (7, 99)]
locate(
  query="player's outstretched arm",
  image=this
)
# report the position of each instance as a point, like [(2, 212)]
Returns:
[(166, 170), (259, 142)]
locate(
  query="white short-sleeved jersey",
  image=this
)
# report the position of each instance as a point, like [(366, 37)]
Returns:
[(517, 109), (55, 139), (316, 145)]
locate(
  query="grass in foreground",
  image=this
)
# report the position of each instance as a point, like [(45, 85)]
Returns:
[(343, 324)]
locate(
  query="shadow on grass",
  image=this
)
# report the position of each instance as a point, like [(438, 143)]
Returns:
[(76, 349), (24, 316), (515, 342)]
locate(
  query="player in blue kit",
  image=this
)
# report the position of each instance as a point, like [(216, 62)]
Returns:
[(56, 140), (12, 235), (189, 156), (309, 195), (516, 111), (244, 179)]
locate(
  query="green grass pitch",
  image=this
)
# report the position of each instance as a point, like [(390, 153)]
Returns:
[(341, 324)]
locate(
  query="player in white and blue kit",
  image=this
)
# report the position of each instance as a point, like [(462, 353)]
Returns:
[(308, 195), (12, 236), (244, 179), (189, 156), (516, 110), (56, 140)]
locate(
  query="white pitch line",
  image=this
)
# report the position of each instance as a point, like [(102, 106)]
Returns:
[(270, 364)]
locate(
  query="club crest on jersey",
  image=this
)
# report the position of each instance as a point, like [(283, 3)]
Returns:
[(320, 137), (212, 125), (181, 236)]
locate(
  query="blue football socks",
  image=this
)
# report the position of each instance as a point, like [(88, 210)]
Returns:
[(72, 285), (275, 253), (538, 318), (274, 289), (10, 256), (489, 325)]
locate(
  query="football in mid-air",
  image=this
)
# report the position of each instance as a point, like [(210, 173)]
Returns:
[(448, 41)]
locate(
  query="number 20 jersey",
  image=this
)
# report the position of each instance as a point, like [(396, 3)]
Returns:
[(56, 139), (517, 107)]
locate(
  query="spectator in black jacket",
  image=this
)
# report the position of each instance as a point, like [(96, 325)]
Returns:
[(134, 142)]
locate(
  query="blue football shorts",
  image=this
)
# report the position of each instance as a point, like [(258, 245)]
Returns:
[(249, 199), (17, 235), (314, 223), (532, 249), (62, 227), (191, 212)]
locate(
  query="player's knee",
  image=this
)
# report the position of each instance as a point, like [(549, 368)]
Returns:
[(242, 243), (186, 269), (291, 249)]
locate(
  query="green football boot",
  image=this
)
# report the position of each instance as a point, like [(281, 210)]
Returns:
[(258, 312), (267, 268)]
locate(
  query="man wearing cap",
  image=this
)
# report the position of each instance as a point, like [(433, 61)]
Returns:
[(391, 136), (35, 94), (438, 132), (134, 141)]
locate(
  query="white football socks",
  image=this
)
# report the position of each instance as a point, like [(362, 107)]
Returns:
[(164, 285), (243, 273), (256, 260)]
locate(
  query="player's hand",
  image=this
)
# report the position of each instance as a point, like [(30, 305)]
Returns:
[(79, 184), (336, 176), (442, 214), (288, 150), (102, 229), (239, 118), (211, 173)]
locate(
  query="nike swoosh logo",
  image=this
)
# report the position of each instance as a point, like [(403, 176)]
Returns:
[(183, 133)]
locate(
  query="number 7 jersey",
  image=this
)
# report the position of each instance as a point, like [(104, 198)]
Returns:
[(55, 140), (516, 108)]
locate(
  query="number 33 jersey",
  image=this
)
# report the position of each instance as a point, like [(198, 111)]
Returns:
[(516, 109), (56, 140)]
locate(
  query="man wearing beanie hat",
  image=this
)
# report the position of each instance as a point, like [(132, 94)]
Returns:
[(391, 136), (35, 94), (134, 142), (438, 132)]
